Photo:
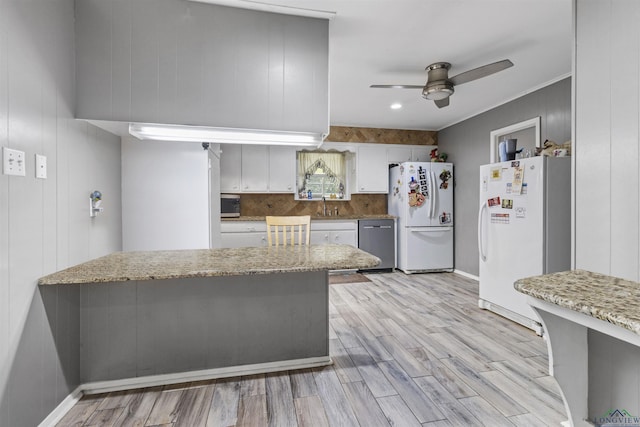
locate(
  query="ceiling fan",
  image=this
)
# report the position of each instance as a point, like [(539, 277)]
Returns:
[(439, 85)]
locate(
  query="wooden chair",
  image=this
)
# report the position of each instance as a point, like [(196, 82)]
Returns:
[(281, 225)]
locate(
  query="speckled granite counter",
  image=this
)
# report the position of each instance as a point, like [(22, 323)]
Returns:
[(154, 265), (592, 325), (316, 218), (607, 298)]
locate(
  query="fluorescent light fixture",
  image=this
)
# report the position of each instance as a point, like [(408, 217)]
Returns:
[(160, 132), (396, 106), (273, 8)]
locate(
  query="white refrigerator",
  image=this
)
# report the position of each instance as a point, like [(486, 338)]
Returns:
[(524, 230), (421, 197)]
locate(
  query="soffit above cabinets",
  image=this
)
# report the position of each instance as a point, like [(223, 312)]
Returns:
[(189, 63)]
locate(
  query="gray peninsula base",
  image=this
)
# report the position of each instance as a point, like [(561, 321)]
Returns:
[(204, 327)]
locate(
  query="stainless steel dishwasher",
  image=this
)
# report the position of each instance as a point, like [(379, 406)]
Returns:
[(377, 236)]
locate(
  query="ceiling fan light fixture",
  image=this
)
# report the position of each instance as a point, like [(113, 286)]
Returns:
[(437, 91)]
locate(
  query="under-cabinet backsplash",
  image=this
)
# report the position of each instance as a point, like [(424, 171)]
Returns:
[(285, 204)]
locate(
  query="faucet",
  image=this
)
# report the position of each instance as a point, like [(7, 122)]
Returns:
[(324, 206)]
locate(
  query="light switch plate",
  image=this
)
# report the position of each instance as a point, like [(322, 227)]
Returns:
[(41, 166), (13, 162)]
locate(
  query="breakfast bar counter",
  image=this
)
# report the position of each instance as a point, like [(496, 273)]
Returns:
[(161, 317), (181, 264), (592, 327)]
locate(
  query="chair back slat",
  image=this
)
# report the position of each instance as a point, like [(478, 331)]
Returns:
[(288, 225)]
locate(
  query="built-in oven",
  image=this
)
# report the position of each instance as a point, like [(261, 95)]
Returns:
[(229, 206)]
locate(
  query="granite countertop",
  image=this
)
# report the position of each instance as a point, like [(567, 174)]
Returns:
[(316, 217), (155, 265), (607, 298)]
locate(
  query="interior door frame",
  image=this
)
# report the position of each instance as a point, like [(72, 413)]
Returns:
[(498, 133)]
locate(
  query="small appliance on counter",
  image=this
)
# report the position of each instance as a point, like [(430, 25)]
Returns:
[(229, 206)]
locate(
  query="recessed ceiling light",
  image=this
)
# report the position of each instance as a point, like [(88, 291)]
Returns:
[(396, 106)]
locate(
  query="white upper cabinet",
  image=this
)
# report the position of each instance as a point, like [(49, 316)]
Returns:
[(255, 168), (409, 153), (422, 153), (190, 63), (282, 169), (398, 153), (230, 168), (372, 169)]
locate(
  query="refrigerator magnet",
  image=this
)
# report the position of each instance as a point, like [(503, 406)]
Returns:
[(508, 189), (521, 212), (499, 218), (496, 174), (507, 204), (445, 176), (518, 176), (445, 218), (494, 201)]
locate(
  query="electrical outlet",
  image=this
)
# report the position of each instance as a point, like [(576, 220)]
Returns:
[(13, 162), (41, 166)]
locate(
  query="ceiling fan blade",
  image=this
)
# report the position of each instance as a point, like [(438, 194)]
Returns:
[(442, 102), (397, 86), (478, 73)]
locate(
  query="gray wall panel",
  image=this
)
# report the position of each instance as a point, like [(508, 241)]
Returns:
[(202, 323), (45, 223), (467, 144), (607, 179), (5, 350), (202, 64)]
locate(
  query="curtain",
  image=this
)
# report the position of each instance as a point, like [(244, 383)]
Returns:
[(309, 161)]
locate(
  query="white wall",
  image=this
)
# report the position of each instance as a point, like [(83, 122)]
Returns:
[(165, 195), (607, 161), (607, 178), (45, 224)]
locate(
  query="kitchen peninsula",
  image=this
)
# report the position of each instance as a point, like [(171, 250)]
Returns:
[(592, 322), (159, 317)]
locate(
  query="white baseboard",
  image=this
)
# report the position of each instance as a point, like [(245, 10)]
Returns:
[(203, 375), (61, 410), (467, 275), (167, 379)]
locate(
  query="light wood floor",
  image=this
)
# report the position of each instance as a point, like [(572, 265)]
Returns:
[(407, 350)]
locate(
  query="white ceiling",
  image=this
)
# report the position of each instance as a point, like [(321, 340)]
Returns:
[(392, 41)]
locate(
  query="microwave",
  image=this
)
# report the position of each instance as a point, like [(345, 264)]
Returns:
[(229, 206)]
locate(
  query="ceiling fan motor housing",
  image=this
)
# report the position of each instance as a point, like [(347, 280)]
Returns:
[(438, 85)]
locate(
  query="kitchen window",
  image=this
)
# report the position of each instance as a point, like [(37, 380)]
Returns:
[(321, 174)]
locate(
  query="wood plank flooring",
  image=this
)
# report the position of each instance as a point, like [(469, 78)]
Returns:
[(408, 350)]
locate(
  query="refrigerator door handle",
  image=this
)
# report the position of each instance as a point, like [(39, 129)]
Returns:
[(483, 256), (432, 211)]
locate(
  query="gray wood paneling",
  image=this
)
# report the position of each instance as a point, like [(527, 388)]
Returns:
[(45, 224), (593, 138), (467, 144), (607, 149), (201, 64), (5, 301), (607, 178), (131, 329)]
